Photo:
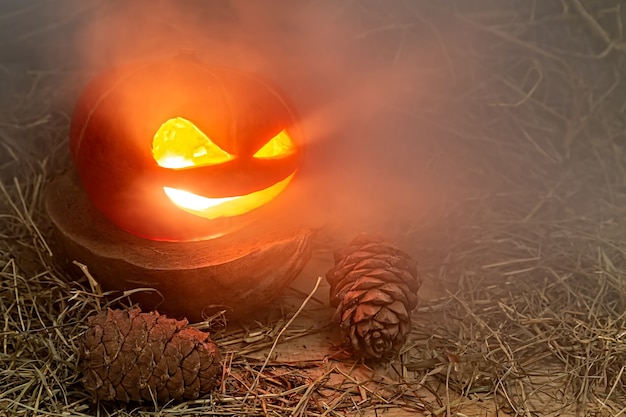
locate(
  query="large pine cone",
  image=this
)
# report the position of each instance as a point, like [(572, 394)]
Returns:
[(374, 287), (128, 355)]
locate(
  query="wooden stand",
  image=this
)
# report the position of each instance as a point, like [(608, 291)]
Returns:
[(240, 272)]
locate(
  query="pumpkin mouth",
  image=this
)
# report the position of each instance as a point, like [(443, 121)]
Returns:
[(213, 208)]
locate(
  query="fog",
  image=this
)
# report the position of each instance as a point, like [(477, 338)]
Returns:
[(378, 84)]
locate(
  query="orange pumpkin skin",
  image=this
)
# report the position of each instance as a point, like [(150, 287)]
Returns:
[(114, 123)]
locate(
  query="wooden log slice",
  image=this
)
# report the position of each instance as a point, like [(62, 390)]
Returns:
[(240, 272)]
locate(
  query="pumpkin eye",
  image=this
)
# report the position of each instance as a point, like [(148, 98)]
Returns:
[(180, 144), (279, 146)]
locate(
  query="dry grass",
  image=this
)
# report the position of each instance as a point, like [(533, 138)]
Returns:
[(529, 251)]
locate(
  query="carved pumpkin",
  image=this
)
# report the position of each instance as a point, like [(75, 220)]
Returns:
[(178, 150)]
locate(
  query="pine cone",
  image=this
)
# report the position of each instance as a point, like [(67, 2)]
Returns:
[(374, 287), (128, 355)]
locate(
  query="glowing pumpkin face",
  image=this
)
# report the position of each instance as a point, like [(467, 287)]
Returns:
[(178, 150)]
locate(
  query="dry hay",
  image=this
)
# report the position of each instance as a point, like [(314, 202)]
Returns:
[(530, 252)]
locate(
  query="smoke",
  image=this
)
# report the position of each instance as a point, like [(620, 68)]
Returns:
[(358, 72)]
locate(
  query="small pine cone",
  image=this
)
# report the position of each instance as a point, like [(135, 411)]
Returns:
[(374, 287), (128, 355)]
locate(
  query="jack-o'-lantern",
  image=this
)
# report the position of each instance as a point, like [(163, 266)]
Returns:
[(179, 150)]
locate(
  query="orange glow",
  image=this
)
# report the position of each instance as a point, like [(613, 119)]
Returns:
[(212, 208), (279, 146), (180, 144)]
